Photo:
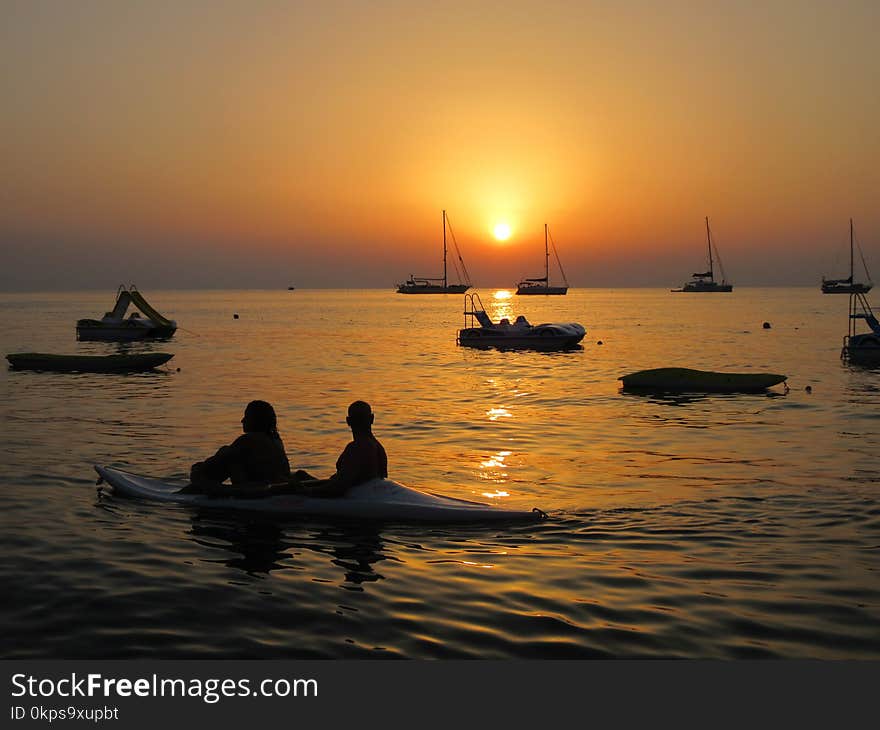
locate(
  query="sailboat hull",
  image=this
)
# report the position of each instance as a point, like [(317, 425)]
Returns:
[(542, 290), (432, 289), (705, 287), (830, 288)]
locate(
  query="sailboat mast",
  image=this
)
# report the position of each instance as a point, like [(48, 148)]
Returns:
[(444, 249), (546, 258), (709, 244), (850, 251)]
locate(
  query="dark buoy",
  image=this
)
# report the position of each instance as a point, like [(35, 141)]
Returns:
[(809, 389), (766, 325), (598, 342), (178, 369), (235, 316)]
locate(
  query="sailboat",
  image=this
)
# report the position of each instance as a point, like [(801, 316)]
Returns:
[(705, 282), (424, 285), (848, 286), (542, 285)]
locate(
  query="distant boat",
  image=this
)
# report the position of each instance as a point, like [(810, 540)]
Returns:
[(424, 285), (114, 327), (542, 284), (862, 348), (848, 286), (291, 288), (705, 282)]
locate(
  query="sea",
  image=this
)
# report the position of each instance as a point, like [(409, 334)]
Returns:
[(698, 526)]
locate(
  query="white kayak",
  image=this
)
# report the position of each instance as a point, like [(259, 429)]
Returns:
[(377, 499)]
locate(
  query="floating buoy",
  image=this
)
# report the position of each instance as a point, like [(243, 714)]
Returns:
[(598, 342), (235, 316), (178, 369), (809, 389), (766, 325)]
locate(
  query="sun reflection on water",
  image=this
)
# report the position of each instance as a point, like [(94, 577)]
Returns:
[(493, 469), (502, 305), (496, 413)]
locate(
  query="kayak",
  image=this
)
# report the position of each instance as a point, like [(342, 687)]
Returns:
[(377, 499), (684, 380), (87, 363)]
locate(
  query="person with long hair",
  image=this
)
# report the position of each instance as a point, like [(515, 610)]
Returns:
[(251, 462)]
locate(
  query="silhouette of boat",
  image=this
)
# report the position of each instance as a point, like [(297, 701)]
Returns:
[(113, 326), (521, 335), (87, 363), (376, 499), (848, 286), (425, 285), (864, 347), (686, 380), (705, 282), (542, 285)]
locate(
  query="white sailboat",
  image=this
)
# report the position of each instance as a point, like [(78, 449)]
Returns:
[(705, 282), (848, 285), (426, 285), (541, 285)]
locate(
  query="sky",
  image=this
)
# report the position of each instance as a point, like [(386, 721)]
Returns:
[(265, 144)]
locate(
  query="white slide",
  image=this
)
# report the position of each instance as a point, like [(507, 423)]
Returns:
[(377, 499)]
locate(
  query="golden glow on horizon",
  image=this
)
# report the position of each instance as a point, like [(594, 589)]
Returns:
[(501, 231), (502, 294), (314, 165)]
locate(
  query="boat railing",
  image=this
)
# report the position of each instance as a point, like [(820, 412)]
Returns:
[(474, 310), (860, 309)]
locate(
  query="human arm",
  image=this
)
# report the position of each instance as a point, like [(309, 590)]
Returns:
[(305, 484), (216, 468)]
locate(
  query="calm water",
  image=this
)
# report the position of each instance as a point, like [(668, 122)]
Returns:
[(722, 526)]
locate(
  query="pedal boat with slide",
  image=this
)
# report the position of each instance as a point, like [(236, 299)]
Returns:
[(146, 323), (520, 335)]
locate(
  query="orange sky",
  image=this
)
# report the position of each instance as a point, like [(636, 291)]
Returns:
[(261, 144)]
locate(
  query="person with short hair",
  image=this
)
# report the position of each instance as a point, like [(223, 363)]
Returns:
[(363, 459)]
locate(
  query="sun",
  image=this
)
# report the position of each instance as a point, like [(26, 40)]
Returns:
[(501, 231)]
